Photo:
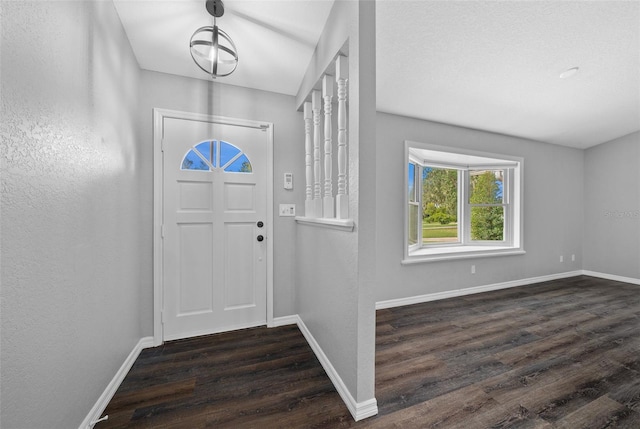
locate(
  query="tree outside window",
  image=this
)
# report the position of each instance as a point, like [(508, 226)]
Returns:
[(439, 205), (486, 201)]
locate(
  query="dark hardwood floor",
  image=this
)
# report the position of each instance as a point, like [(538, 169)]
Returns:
[(559, 354)]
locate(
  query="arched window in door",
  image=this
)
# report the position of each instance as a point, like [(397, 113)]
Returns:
[(214, 154)]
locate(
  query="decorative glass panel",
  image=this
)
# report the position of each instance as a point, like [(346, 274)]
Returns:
[(205, 149), (192, 161), (240, 165), (212, 154), (227, 152)]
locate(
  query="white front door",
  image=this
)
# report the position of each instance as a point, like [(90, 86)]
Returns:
[(214, 255)]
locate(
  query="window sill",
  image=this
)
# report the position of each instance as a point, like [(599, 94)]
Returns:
[(459, 252), (339, 224)]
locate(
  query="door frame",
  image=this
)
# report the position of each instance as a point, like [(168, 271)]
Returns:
[(158, 175)]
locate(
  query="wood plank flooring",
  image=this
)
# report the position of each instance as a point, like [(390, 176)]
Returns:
[(559, 354)]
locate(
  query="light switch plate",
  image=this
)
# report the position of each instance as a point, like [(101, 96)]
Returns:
[(287, 210)]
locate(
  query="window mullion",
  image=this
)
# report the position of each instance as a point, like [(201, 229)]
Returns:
[(418, 187), (507, 198), (466, 210)]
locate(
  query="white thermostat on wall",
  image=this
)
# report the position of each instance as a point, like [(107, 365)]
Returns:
[(288, 180)]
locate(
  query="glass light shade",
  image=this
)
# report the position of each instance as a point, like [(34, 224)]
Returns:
[(213, 51)]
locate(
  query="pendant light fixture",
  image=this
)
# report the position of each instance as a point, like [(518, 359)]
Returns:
[(211, 48)]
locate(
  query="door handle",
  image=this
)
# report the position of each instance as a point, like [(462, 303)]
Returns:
[(260, 238)]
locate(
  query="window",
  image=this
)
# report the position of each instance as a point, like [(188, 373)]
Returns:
[(486, 205), (461, 204), (439, 192), (414, 205), (208, 155)]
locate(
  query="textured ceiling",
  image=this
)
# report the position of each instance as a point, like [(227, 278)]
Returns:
[(495, 66), (490, 65)]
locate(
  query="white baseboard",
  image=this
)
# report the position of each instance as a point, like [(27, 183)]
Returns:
[(611, 277), (284, 320), (469, 291), (359, 410), (111, 388)]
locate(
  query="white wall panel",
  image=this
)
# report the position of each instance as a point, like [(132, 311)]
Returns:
[(239, 266), (195, 196), (195, 268)]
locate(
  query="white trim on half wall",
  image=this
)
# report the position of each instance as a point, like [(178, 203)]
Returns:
[(358, 410)]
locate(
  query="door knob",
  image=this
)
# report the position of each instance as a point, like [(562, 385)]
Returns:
[(260, 238)]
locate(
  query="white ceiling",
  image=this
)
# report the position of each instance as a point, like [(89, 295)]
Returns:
[(490, 65), (275, 39)]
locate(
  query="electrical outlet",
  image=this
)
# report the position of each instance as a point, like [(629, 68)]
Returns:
[(573, 258), (561, 258), (473, 269)]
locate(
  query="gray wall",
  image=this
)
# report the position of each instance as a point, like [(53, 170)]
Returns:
[(553, 210), (74, 256), (335, 270), (612, 207), (160, 90)]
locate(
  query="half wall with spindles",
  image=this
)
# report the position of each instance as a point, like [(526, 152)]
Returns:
[(326, 204)]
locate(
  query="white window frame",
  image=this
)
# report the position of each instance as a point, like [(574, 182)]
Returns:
[(416, 175), (465, 161)]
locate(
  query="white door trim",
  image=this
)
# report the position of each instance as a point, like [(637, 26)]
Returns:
[(158, 120)]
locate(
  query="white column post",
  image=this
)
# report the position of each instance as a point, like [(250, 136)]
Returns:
[(317, 179), (327, 201), (308, 161), (342, 198)]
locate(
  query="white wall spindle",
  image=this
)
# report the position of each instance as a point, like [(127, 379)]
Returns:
[(342, 198), (327, 201), (317, 179), (308, 160)]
